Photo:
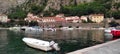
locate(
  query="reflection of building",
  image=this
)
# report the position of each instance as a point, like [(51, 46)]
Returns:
[(96, 17), (3, 36), (97, 36)]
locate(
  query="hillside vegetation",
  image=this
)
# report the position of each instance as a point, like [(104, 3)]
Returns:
[(110, 8)]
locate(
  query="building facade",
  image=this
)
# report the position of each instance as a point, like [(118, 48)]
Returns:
[(84, 18), (73, 19), (3, 18), (97, 18)]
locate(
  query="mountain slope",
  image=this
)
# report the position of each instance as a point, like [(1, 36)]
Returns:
[(5, 5)]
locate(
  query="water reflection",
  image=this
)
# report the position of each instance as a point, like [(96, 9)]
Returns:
[(3, 41), (95, 35), (108, 36), (69, 38), (11, 42)]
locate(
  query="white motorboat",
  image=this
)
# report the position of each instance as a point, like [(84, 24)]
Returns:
[(40, 44), (15, 28), (49, 29), (32, 29), (66, 28), (109, 29)]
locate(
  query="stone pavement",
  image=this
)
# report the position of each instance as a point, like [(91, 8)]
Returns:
[(111, 47)]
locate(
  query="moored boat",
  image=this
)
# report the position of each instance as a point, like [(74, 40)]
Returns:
[(32, 29), (115, 33), (109, 29), (40, 44), (15, 28), (49, 29), (66, 28)]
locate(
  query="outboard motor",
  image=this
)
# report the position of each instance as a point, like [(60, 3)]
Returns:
[(54, 45)]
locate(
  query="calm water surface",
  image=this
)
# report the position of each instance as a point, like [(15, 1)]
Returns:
[(11, 42)]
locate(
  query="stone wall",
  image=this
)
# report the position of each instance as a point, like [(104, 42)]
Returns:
[(64, 24), (118, 21)]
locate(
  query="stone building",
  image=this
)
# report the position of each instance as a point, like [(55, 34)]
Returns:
[(3, 18), (98, 18)]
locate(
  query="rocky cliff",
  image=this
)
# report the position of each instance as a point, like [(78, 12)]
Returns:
[(5, 5), (56, 4)]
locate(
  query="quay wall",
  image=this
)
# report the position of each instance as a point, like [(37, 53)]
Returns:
[(64, 24), (111, 47), (118, 21), (85, 24)]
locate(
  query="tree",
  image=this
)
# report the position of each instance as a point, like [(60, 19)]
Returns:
[(17, 13), (35, 9), (117, 5), (116, 14), (84, 9), (113, 24), (33, 23)]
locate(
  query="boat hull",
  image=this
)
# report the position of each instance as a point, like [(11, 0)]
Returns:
[(44, 48), (115, 33), (42, 45)]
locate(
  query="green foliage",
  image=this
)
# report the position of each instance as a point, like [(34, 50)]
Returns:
[(84, 9), (47, 13), (98, 6), (108, 14), (103, 1), (83, 21), (35, 9), (33, 23), (22, 23), (51, 12), (17, 13), (107, 6), (65, 10), (60, 26), (113, 24), (117, 5), (54, 11), (116, 14)]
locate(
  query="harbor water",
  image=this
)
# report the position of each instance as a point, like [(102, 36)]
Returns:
[(69, 40)]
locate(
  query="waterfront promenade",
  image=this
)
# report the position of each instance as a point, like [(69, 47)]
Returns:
[(111, 47)]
